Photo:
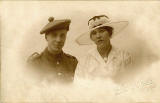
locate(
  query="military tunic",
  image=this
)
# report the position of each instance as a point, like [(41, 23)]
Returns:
[(57, 68)]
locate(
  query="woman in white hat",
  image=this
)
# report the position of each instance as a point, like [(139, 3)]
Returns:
[(105, 61)]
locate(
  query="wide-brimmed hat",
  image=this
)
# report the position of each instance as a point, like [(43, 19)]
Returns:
[(98, 22), (55, 24)]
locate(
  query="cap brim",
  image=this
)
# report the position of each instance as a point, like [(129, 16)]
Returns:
[(84, 39)]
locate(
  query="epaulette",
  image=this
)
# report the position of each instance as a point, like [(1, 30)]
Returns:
[(33, 57), (73, 60), (70, 56)]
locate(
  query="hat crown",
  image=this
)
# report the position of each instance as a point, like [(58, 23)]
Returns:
[(97, 21), (51, 19)]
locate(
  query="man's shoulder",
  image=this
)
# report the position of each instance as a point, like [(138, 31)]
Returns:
[(71, 58), (34, 57)]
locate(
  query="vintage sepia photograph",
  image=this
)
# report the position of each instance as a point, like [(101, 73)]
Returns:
[(80, 51)]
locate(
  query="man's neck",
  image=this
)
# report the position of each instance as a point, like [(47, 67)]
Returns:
[(105, 50)]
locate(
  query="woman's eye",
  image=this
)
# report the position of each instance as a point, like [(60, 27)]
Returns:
[(93, 32), (101, 31)]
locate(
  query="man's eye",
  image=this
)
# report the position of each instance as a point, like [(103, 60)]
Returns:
[(54, 35), (62, 35)]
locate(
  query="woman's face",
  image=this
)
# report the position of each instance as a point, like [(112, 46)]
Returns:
[(100, 36)]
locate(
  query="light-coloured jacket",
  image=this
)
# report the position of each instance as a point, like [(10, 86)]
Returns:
[(94, 66)]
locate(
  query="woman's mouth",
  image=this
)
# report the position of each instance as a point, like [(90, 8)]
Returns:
[(100, 40)]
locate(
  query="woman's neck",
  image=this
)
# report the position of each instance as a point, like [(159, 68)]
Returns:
[(104, 50)]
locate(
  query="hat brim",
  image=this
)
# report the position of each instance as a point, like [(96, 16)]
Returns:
[(84, 39)]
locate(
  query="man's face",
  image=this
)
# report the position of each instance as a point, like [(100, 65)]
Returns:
[(100, 36), (56, 39)]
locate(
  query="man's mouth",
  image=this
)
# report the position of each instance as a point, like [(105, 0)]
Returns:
[(58, 45)]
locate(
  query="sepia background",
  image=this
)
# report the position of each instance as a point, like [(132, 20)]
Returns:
[(20, 27)]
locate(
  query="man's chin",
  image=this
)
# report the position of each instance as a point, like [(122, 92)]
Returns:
[(56, 50)]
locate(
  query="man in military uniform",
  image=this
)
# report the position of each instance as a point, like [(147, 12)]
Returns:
[(53, 64)]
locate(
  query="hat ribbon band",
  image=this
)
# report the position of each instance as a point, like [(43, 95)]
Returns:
[(96, 25)]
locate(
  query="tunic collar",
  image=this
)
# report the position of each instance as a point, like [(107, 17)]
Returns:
[(50, 57)]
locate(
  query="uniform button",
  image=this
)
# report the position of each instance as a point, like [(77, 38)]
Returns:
[(57, 62), (59, 74)]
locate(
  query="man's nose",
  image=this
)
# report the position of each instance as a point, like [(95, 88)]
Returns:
[(58, 39)]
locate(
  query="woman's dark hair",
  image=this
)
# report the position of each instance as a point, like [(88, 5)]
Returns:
[(109, 29)]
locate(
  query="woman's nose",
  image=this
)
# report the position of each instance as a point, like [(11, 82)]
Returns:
[(98, 35)]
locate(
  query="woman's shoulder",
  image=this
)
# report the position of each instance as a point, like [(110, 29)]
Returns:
[(119, 51), (123, 54)]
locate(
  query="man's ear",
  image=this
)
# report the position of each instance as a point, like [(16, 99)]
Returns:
[(46, 37), (110, 36)]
